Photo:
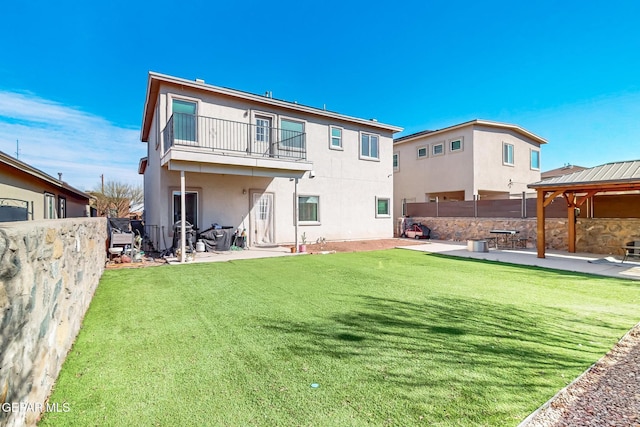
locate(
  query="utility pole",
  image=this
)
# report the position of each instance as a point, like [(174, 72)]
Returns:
[(17, 149), (102, 179)]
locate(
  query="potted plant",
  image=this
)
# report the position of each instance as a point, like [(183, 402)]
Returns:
[(303, 246)]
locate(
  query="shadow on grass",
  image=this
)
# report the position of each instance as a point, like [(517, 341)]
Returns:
[(450, 344)]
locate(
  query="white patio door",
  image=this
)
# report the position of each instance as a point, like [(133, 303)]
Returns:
[(262, 230)]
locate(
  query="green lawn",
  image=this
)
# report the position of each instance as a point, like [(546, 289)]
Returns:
[(391, 337)]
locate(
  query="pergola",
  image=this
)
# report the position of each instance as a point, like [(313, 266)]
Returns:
[(577, 188)]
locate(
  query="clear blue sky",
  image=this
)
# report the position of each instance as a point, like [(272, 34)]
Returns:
[(73, 73)]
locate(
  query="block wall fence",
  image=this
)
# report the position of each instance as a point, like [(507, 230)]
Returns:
[(49, 271), (593, 235)]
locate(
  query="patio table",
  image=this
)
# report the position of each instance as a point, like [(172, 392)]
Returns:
[(504, 236)]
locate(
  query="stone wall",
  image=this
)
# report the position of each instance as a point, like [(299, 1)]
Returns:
[(593, 235), (49, 271)]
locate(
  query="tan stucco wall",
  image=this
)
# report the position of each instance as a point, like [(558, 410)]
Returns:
[(477, 169), (49, 270), (15, 184), (347, 185)]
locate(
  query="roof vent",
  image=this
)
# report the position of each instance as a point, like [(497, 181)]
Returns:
[(374, 120), (201, 81)]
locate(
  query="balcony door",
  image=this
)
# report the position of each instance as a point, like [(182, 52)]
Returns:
[(263, 135), (261, 219)]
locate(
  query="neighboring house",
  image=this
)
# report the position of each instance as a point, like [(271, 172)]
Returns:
[(251, 162), (476, 159), (564, 170), (27, 193)]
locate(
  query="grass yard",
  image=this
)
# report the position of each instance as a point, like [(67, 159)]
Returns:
[(391, 337)]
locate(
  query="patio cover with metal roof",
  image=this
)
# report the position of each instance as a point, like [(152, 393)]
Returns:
[(578, 187)]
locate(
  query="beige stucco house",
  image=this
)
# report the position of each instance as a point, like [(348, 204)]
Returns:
[(477, 159), (265, 165), (27, 193)]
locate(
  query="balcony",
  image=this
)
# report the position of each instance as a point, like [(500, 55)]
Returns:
[(208, 144)]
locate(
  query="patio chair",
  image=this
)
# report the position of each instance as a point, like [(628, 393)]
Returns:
[(631, 250)]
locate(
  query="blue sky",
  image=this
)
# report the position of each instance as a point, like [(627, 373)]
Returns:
[(73, 73)]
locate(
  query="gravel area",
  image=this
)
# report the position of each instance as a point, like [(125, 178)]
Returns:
[(607, 394)]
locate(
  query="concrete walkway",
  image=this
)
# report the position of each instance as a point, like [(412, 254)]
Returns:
[(597, 264), (561, 260), (222, 256)]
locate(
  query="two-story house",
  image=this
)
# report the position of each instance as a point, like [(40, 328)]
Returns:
[(277, 169), (477, 159)]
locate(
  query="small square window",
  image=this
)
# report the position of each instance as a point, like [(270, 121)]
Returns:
[(438, 149), (335, 137), (383, 207), (455, 145), (507, 154), (422, 152), (396, 162)]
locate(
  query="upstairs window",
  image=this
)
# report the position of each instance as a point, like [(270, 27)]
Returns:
[(507, 154), (396, 162), (455, 145), (535, 160), (292, 134), (369, 146), (184, 120), (335, 136), (438, 149), (422, 152)]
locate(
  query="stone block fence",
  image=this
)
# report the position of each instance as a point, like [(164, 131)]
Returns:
[(49, 271), (593, 235)]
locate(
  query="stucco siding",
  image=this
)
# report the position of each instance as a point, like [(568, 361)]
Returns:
[(346, 184)]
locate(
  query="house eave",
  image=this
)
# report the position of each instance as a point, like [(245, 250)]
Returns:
[(477, 122), (155, 80)]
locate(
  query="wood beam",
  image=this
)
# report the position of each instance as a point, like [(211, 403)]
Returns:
[(550, 198), (540, 204)]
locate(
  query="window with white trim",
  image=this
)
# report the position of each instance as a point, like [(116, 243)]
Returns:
[(309, 209), (437, 149), (383, 207), (396, 162), (507, 154), (291, 134), (369, 146), (184, 119), (422, 152), (49, 206), (535, 160), (455, 145), (335, 137)]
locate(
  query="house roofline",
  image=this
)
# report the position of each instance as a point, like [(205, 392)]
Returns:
[(37, 173), (156, 79), (476, 122)]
